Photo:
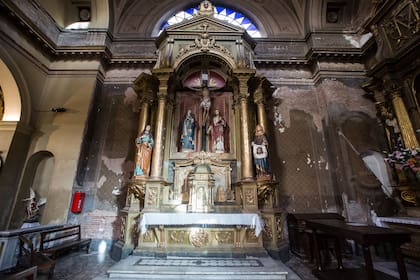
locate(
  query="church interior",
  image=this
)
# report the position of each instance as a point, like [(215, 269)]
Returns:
[(246, 129)]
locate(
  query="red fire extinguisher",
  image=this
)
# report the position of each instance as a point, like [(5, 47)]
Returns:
[(78, 199)]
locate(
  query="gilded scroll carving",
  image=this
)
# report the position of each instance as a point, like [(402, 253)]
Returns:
[(178, 236), (225, 237), (403, 24), (204, 42)]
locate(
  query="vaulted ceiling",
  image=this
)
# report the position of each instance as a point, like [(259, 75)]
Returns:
[(274, 18)]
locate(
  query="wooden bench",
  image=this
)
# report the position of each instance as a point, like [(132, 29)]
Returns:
[(29, 257), (55, 241), (19, 274)]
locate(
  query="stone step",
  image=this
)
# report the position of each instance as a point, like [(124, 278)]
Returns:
[(137, 267)]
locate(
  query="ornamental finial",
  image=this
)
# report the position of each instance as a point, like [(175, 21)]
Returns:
[(206, 8)]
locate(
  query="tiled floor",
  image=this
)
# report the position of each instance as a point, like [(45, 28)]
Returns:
[(79, 265)]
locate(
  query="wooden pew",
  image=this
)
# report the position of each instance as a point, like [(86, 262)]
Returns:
[(58, 240), (29, 257)]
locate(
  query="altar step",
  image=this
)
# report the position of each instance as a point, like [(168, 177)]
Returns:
[(138, 267)]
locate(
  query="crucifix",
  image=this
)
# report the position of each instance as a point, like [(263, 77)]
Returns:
[(205, 105)]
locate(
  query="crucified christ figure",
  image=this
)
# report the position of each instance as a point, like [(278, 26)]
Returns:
[(205, 106)]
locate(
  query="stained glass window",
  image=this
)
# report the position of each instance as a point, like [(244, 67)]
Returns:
[(221, 13)]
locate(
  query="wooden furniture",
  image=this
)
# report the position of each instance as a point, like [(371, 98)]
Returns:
[(363, 235), (29, 257), (9, 242), (57, 240), (300, 236), (29, 273), (409, 224)]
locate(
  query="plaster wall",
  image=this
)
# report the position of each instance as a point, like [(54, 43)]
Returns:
[(109, 156), (309, 163), (62, 134), (7, 130)]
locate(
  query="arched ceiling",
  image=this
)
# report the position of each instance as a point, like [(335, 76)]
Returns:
[(274, 18), (144, 17)]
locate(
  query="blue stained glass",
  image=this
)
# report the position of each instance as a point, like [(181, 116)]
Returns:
[(229, 11), (190, 11), (238, 15), (222, 13), (252, 27), (240, 20), (246, 21), (219, 9)]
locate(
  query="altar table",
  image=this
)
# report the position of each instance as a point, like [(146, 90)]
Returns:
[(362, 234), (156, 219)]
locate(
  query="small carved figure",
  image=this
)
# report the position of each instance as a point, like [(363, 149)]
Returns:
[(260, 153), (217, 131), (394, 131), (33, 207), (187, 132), (206, 8), (144, 145), (278, 122)]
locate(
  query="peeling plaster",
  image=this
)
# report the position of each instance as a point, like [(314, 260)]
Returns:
[(101, 181), (356, 40), (130, 99), (315, 100), (114, 164)]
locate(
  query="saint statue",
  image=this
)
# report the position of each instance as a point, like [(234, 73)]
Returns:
[(144, 145), (394, 130), (217, 130), (187, 132), (260, 153)]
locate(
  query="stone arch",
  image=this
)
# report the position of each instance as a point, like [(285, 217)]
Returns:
[(10, 93), (183, 60), (37, 176), (65, 12)]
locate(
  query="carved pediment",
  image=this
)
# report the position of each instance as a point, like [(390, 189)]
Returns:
[(196, 23)]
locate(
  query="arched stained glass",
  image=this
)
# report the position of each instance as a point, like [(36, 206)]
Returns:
[(221, 13)]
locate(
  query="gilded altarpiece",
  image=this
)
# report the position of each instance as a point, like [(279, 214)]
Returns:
[(201, 194)]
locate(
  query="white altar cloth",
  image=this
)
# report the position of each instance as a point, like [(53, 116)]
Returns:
[(383, 221), (248, 219)]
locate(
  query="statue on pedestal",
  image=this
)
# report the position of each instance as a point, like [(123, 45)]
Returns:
[(217, 131), (260, 153), (144, 145), (188, 132)]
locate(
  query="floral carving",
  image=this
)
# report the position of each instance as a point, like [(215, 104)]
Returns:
[(199, 238)]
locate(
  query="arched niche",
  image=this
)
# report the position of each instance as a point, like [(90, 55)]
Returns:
[(67, 12), (192, 75), (37, 175)]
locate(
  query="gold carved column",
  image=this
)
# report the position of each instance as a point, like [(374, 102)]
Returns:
[(261, 115), (157, 157), (246, 156), (407, 130)]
